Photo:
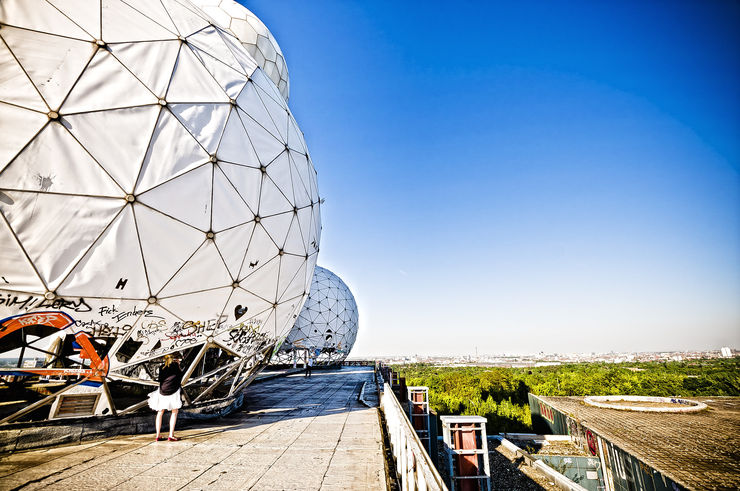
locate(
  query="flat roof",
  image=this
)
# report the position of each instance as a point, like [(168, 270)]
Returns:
[(697, 450)]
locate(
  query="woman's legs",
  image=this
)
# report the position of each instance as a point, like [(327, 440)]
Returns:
[(158, 421), (173, 420)]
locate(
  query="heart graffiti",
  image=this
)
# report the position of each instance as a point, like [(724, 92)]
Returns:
[(240, 311)]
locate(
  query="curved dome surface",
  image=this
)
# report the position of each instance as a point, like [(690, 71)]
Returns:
[(327, 325), (254, 36), (156, 196)]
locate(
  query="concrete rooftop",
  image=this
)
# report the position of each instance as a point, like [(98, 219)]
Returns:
[(698, 450), (293, 433)]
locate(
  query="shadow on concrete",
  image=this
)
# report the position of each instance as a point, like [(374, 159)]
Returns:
[(329, 391)]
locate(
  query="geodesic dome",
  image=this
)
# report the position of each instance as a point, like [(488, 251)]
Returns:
[(254, 36), (326, 328), (156, 196)]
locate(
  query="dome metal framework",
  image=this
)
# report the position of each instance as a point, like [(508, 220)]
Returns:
[(156, 196), (254, 36), (326, 328)]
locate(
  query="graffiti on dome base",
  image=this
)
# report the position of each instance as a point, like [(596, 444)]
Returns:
[(13, 333)]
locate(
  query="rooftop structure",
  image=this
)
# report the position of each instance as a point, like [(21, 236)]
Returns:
[(294, 433), (647, 450)]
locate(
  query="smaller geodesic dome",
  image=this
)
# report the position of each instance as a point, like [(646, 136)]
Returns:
[(326, 328), (254, 36)]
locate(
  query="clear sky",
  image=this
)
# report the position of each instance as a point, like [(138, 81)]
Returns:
[(524, 176)]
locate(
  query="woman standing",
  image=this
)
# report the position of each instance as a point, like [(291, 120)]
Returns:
[(167, 398)]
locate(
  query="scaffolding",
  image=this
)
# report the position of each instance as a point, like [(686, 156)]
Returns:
[(418, 404), (466, 447)]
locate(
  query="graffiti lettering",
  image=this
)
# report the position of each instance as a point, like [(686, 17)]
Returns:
[(176, 344), (194, 328), (591, 440), (546, 412), (38, 302), (135, 312), (102, 329), (39, 319), (247, 336)]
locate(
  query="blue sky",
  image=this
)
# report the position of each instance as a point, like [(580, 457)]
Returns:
[(524, 176)]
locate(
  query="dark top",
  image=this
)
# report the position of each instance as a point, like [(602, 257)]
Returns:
[(169, 379)]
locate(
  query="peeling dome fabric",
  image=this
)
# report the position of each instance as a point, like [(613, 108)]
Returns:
[(154, 188), (327, 325), (254, 36)]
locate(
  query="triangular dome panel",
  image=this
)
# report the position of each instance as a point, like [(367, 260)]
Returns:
[(229, 209), (104, 271), (62, 230), (205, 122), (235, 145), (205, 270), (272, 200), (15, 86), (232, 244), (18, 126), (186, 197), (172, 151), (260, 251), (55, 162), (137, 27), (155, 11), (18, 273), (192, 83), (106, 84), (265, 144), (38, 15), (53, 63), (264, 281), (166, 243), (117, 139), (277, 226), (246, 180), (151, 63), (84, 13), (186, 20)]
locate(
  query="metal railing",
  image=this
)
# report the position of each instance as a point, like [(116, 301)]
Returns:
[(413, 464)]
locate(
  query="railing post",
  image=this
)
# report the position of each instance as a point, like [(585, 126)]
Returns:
[(413, 464)]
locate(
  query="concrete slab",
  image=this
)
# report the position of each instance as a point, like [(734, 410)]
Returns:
[(293, 433)]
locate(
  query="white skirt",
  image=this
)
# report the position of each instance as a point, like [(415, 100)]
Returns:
[(159, 402)]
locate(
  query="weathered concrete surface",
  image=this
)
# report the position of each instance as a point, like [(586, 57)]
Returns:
[(295, 433)]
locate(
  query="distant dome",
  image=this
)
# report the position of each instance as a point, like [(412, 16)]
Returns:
[(327, 325), (254, 36)]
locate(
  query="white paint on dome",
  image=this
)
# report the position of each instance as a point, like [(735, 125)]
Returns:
[(154, 187), (254, 36)]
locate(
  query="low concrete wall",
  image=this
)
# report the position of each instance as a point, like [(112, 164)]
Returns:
[(36, 434), (25, 436)]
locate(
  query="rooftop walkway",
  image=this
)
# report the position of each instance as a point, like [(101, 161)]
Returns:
[(293, 433)]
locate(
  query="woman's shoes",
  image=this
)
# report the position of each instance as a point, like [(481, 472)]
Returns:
[(169, 439)]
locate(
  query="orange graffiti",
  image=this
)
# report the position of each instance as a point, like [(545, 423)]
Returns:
[(98, 367)]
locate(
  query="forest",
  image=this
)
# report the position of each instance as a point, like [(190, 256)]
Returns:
[(500, 394)]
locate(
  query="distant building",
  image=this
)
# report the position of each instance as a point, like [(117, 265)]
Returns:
[(726, 352), (650, 450)]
